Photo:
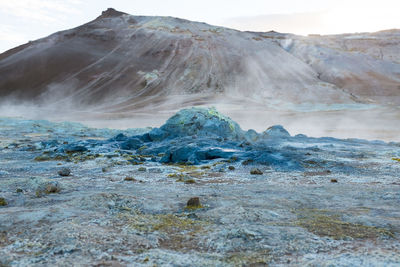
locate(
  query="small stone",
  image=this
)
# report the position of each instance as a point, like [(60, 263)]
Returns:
[(48, 188), (334, 180), (42, 158), (231, 168), (247, 162), (64, 172), (3, 201), (52, 189), (142, 169), (74, 148), (256, 171), (190, 181), (128, 178), (19, 190), (194, 203)]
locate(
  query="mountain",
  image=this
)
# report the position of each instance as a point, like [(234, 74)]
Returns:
[(119, 62)]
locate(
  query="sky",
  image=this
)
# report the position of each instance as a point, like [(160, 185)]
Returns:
[(25, 20)]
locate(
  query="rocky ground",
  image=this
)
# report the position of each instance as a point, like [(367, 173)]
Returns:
[(72, 195)]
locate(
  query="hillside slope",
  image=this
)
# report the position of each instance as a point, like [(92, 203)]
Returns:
[(119, 63), (128, 61)]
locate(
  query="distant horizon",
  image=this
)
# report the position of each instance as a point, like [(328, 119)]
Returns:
[(28, 20)]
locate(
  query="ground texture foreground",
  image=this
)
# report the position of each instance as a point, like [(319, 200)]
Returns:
[(72, 195)]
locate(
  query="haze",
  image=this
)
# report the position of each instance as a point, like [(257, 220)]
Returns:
[(25, 20)]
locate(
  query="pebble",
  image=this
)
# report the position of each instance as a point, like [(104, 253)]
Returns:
[(64, 172), (194, 202), (128, 178), (256, 171), (3, 201)]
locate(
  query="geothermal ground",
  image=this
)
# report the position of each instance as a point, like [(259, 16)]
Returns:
[(202, 189), (72, 195)]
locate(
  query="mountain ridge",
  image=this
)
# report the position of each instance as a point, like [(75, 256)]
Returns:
[(119, 62)]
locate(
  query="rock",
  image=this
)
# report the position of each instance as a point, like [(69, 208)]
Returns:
[(42, 158), (64, 172), (142, 169), (182, 154), (231, 168), (74, 148), (216, 153), (194, 154), (334, 180), (130, 144), (119, 137), (276, 131), (48, 144), (131, 179), (3, 201), (140, 149), (279, 159), (190, 181), (52, 189), (19, 190), (111, 155), (48, 188), (251, 135), (256, 171), (134, 161), (198, 122), (110, 13), (145, 137), (194, 203), (302, 136), (247, 162), (157, 134)]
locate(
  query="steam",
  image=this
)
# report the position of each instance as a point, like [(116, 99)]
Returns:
[(347, 122), (240, 77)]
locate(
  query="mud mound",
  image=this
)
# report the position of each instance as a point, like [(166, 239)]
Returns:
[(198, 122)]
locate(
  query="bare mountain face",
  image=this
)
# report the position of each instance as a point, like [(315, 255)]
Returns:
[(365, 65), (127, 62)]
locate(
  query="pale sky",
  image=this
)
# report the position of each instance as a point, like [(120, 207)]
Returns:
[(25, 20)]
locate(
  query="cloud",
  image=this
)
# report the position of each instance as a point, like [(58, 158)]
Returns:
[(333, 17), (299, 23), (39, 10), (24, 20), (8, 34)]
